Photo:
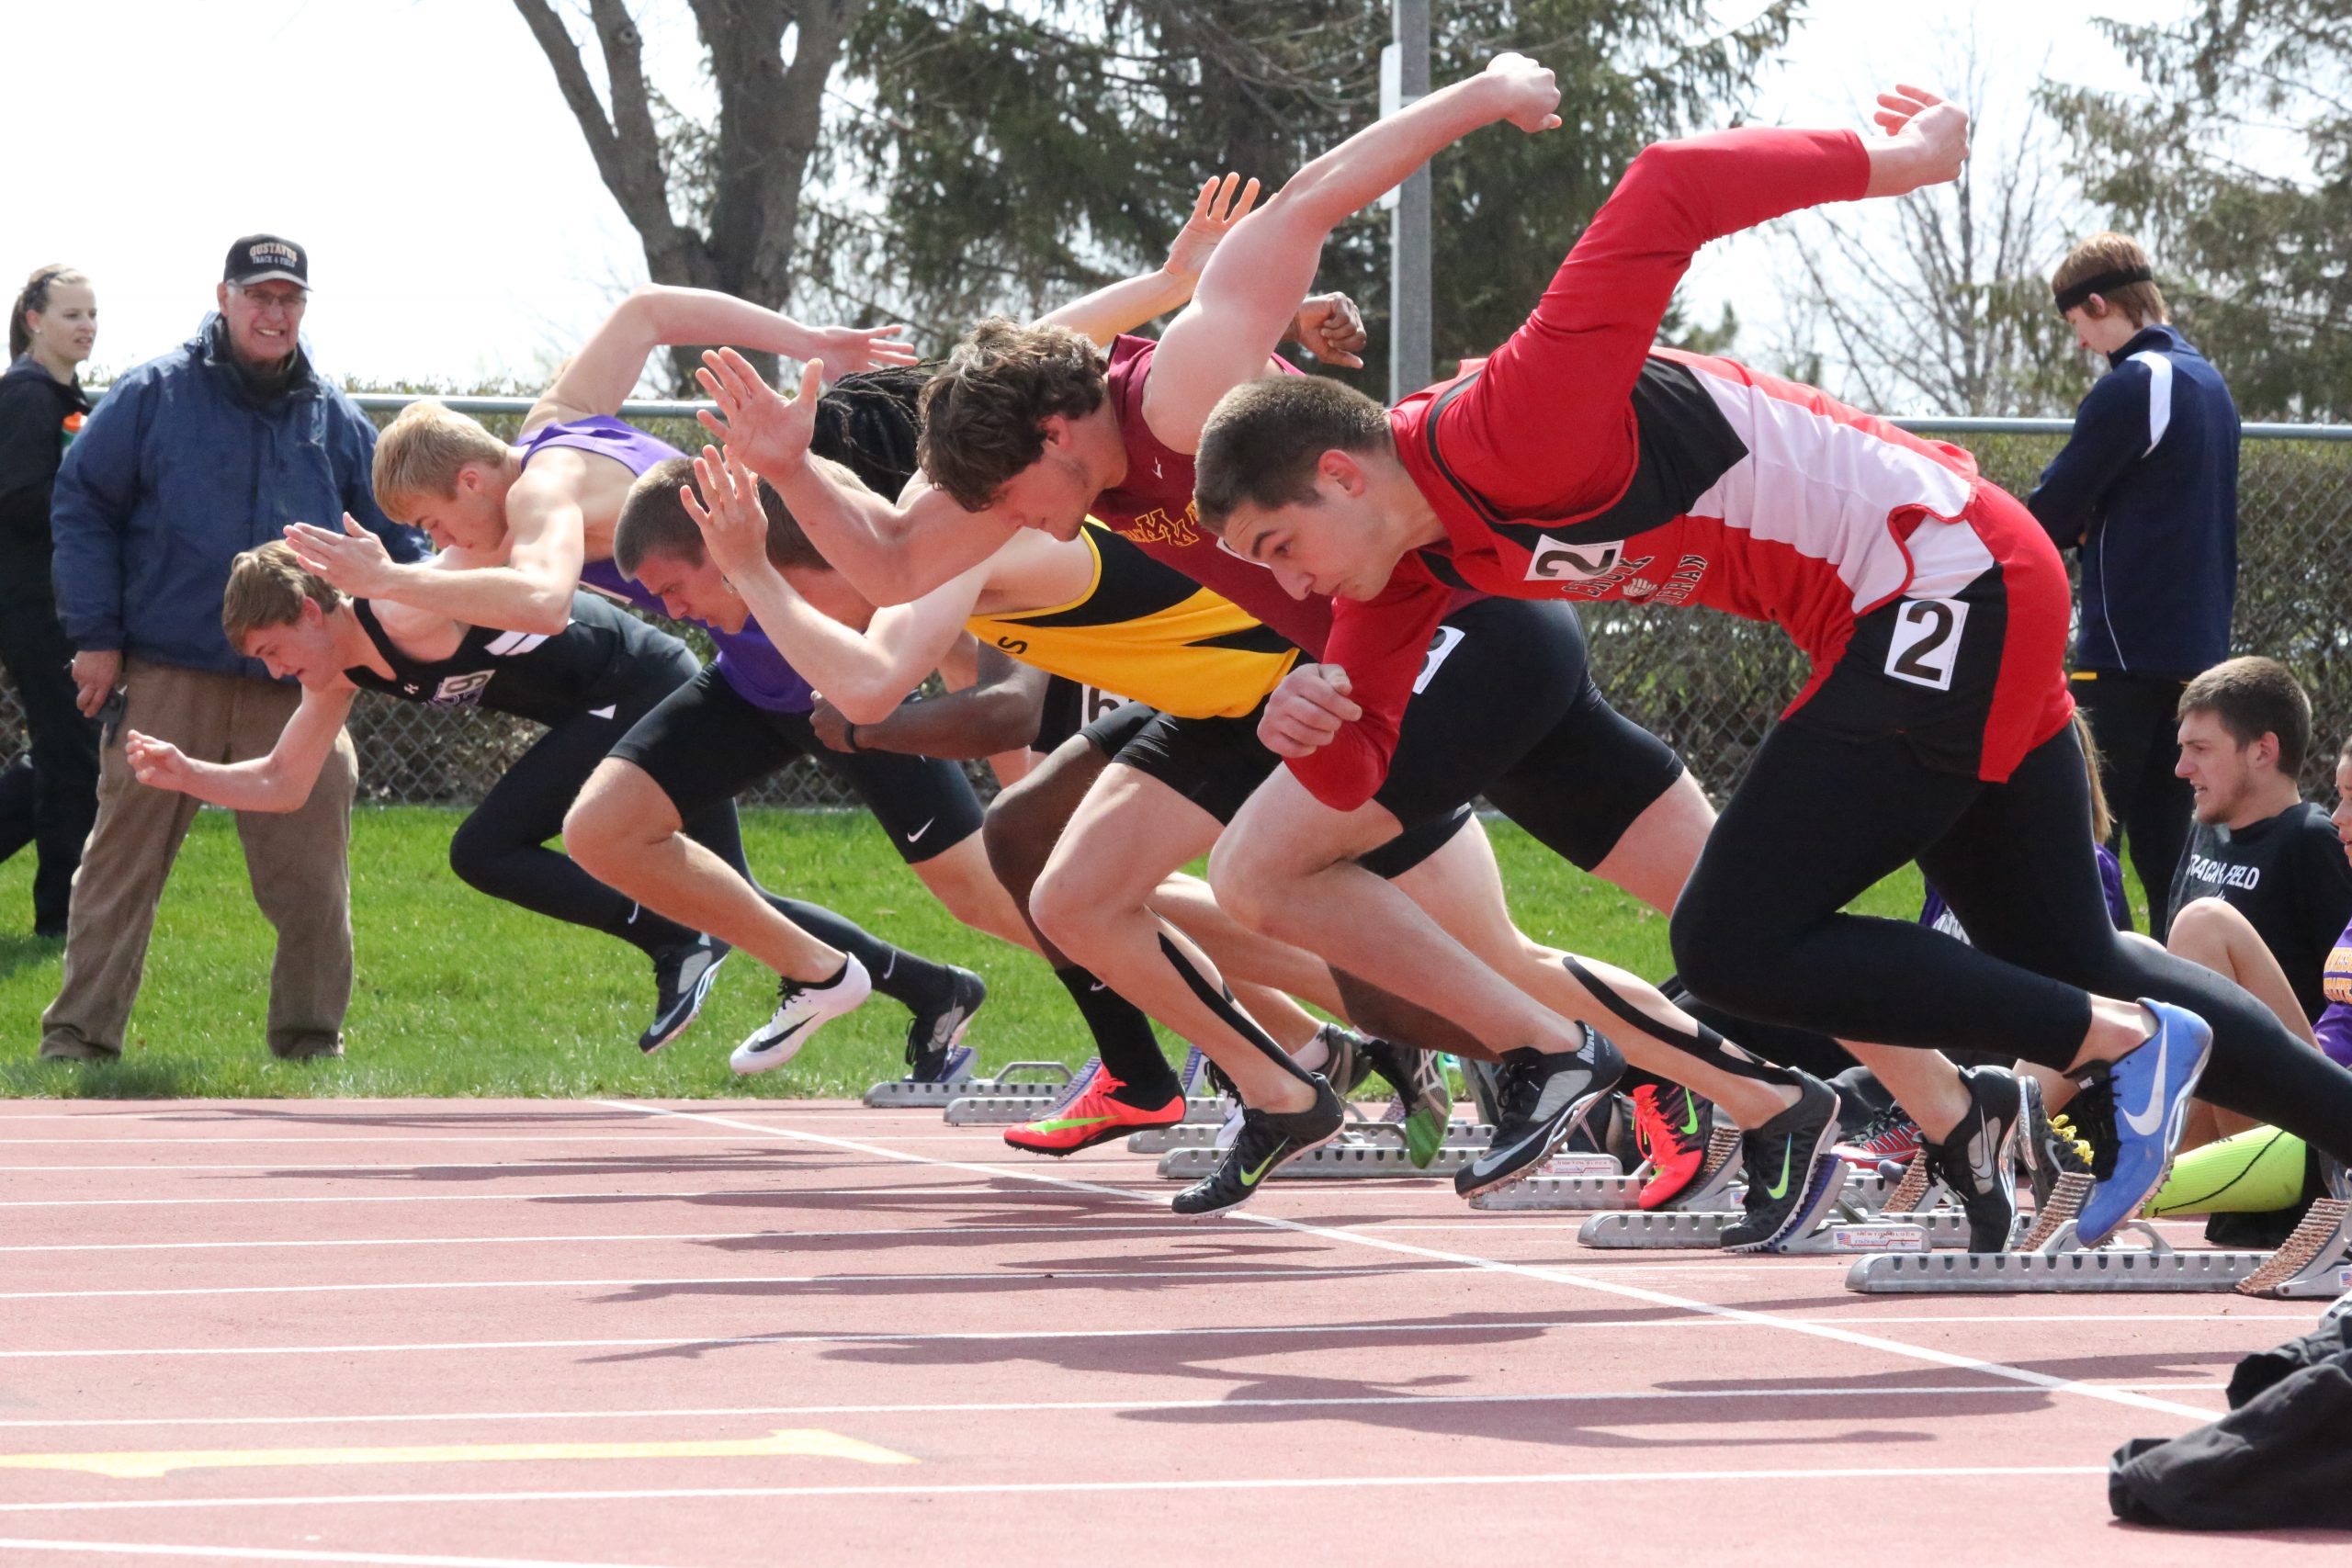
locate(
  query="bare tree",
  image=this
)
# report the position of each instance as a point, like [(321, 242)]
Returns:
[(714, 207), (1941, 304)]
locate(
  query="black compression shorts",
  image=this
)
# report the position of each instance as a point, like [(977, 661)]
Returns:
[(704, 744), (1070, 708)]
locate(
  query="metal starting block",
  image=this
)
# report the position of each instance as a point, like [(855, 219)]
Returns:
[(2314, 1263), (1202, 1117), (1665, 1230), (1201, 1133), (1362, 1150), (1014, 1077), (1552, 1188), (1004, 1110)]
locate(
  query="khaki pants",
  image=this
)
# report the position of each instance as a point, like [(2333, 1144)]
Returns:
[(297, 861)]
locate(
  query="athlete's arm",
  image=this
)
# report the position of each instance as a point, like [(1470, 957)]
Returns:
[(279, 782), (998, 714), (1572, 367), (1379, 644), (599, 378), (532, 593), (863, 673), (2111, 435), (1249, 294), (891, 552)]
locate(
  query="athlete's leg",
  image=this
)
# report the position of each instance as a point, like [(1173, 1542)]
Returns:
[(625, 832), (2028, 892), (926, 806), (1243, 956), (2210, 933), (1653, 857), (1093, 902)]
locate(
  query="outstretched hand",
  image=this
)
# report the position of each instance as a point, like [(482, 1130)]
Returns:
[(852, 349), (734, 526), (354, 561), (1215, 212), (1927, 142), (1331, 329), (158, 764), (766, 431), (1307, 711), (1529, 95)]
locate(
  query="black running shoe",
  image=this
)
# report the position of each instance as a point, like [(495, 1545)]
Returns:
[(1540, 1100), (934, 1033), (682, 977), (1792, 1174), (2047, 1146), (1973, 1164), (1345, 1066), (1267, 1141)]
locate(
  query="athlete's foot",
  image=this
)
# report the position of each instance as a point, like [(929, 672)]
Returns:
[(682, 977), (1343, 1066), (801, 1009), (1540, 1100), (1265, 1142), (1671, 1127), (2048, 1146), (1425, 1100), (2132, 1111), (936, 1051), (1097, 1116), (1792, 1174), (1974, 1162)]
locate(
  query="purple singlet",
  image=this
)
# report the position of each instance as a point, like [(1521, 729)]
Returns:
[(759, 674)]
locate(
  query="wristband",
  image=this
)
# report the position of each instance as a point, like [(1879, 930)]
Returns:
[(849, 737)]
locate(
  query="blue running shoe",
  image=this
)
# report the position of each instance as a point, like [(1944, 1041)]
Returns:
[(2133, 1113)]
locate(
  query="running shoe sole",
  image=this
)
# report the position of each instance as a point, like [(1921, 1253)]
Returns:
[(1511, 1176)]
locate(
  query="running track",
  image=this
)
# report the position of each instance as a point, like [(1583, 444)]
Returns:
[(538, 1333)]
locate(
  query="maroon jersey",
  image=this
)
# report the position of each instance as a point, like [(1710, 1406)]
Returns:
[(1153, 506)]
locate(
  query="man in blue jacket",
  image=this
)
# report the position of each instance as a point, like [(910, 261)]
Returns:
[(210, 450), (2146, 492)]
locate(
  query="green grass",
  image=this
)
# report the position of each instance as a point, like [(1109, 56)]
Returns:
[(460, 995)]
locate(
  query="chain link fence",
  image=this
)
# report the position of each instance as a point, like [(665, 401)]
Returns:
[(1709, 685)]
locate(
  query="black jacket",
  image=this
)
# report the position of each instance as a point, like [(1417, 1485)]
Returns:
[(39, 416)]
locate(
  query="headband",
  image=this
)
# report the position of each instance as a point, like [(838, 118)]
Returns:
[(2106, 282)]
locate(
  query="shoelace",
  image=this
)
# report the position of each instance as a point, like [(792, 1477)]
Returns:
[(2068, 1140), (1885, 1125), (1650, 1128)]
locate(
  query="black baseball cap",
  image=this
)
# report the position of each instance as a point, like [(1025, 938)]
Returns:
[(257, 258)]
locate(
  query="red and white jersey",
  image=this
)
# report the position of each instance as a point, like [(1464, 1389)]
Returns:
[(1580, 461)]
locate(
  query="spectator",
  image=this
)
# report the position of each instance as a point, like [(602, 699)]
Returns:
[(2258, 847), (50, 798), (210, 450), (2146, 492)]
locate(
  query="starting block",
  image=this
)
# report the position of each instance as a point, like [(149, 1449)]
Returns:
[(1364, 1149), (1203, 1116), (1014, 1077), (1664, 1230), (1556, 1189), (2313, 1263)]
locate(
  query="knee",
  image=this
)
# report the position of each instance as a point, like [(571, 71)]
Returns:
[(602, 825), (1068, 906), (2201, 928), (473, 855), (1244, 885), (1720, 965), (1017, 837)]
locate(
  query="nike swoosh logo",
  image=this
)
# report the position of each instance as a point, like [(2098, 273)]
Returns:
[(605, 712), (1781, 1188), (1064, 1123), (1980, 1163), (920, 831), (1249, 1178), (1690, 1113), (2150, 1116), (1096, 987)]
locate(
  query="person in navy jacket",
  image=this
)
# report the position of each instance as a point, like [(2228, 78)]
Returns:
[(2145, 492), (192, 457)]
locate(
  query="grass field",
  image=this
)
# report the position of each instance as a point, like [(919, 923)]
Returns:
[(460, 995)]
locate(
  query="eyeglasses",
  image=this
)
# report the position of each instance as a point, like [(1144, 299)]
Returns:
[(283, 298)]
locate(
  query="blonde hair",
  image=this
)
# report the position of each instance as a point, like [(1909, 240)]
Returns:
[(2102, 818), (2103, 254), (419, 454), (266, 587)]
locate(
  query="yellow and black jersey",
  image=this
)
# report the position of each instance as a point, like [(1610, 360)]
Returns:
[(1148, 632)]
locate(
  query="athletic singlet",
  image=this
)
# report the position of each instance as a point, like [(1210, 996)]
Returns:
[(594, 660), (1149, 633), (2334, 1025), (750, 664), (1153, 508)]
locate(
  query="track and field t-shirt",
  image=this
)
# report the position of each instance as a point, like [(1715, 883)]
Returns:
[(2287, 875), (2334, 1025)]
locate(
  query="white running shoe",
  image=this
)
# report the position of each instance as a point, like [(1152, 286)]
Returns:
[(800, 1009)]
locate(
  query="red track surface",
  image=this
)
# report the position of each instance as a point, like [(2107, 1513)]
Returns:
[(1367, 1371)]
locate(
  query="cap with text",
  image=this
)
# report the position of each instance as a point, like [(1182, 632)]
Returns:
[(258, 258)]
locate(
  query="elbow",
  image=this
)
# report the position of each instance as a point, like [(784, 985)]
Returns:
[(866, 704), (549, 613)]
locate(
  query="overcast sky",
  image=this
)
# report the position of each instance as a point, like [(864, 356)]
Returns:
[(457, 225)]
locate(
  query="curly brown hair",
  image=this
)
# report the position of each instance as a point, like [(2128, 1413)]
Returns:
[(984, 410)]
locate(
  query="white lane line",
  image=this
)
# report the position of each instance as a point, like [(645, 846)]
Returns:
[(284, 1554), (613, 1137), (1271, 1273), (1062, 1406), (615, 1196), (954, 1337), (942, 1234), (1583, 1280), (1683, 1478)]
